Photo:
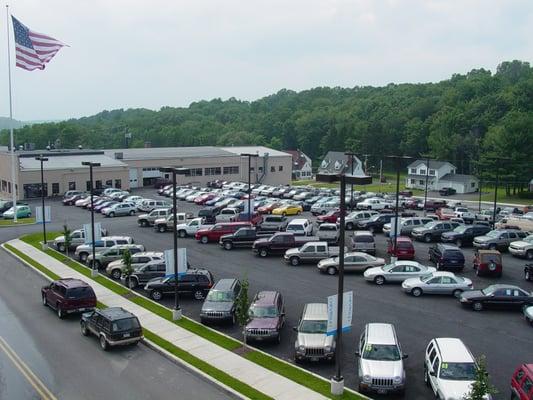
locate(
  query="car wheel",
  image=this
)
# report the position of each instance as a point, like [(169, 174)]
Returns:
[(477, 306), (61, 248), (527, 275), (162, 228), (132, 283), (204, 240), (182, 233), (60, 312), (371, 229), (83, 328), (426, 377), (417, 292), (103, 343), (83, 257), (284, 214), (349, 226), (331, 270), (459, 243), (111, 214), (263, 252), (228, 245), (427, 238), (278, 338), (156, 295), (294, 261), (323, 212), (116, 273), (198, 294), (142, 222), (233, 319), (457, 293), (45, 303), (379, 280), (298, 212), (132, 212), (493, 246), (529, 255)]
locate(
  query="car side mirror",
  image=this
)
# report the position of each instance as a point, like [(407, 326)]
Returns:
[(404, 356), (357, 354)]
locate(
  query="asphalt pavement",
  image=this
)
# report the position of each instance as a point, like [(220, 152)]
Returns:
[(503, 336), (42, 357)]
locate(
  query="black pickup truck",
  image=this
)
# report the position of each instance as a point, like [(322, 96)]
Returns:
[(279, 243), (244, 237)]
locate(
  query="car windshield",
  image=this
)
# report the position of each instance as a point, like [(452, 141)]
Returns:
[(461, 229), (381, 352), (294, 228), (219, 296), (309, 326), (263, 312), (458, 371), (374, 217), (493, 234), (125, 324), (430, 224)]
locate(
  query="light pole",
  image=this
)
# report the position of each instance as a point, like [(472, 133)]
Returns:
[(352, 157), (94, 272), (176, 312), (337, 381), (42, 160), (249, 155), (426, 189)]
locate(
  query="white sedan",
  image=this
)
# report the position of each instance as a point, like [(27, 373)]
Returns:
[(441, 282), (397, 272)]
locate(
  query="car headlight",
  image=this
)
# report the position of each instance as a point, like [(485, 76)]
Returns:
[(397, 379), (367, 378), (463, 300), (301, 349), (328, 349)]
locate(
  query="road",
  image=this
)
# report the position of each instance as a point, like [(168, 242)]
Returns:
[(44, 357), (503, 337)]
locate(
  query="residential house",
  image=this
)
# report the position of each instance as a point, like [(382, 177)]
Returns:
[(301, 165), (336, 162), (439, 174)]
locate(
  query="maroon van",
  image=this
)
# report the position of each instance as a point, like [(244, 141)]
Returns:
[(267, 316), (68, 296)]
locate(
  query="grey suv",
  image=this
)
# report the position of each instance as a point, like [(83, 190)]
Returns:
[(351, 220), (104, 257), (115, 268), (498, 239), (312, 343), (142, 274), (220, 303), (363, 241), (433, 230), (149, 219)]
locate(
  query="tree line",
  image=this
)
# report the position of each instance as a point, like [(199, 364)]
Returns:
[(472, 120)]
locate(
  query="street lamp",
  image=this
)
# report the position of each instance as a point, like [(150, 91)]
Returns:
[(249, 155), (352, 158), (427, 178), (94, 272), (42, 160), (337, 381), (176, 312)]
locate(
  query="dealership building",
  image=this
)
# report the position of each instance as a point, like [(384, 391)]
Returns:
[(132, 168)]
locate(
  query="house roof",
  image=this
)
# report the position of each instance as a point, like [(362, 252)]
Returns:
[(432, 164), (458, 178), (336, 162), (298, 159)]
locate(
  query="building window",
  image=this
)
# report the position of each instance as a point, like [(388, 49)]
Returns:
[(413, 171), (109, 183), (413, 181), (55, 188), (473, 184), (432, 172), (72, 186), (196, 171), (118, 183), (4, 185), (422, 172), (231, 170), (33, 190), (272, 169), (260, 169), (213, 171), (98, 184), (280, 168), (421, 182), (9, 187), (252, 169)]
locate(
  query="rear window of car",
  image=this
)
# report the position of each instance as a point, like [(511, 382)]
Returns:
[(454, 253), (328, 228), (80, 292), (363, 239), (125, 324), (404, 245)]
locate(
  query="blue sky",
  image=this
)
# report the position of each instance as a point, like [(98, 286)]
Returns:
[(126, 54)]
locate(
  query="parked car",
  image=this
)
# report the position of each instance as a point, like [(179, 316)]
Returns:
[(488, 262), (437, 283), (485, 215), (449, 368), (528, 314), (464, 235), (77, 237), (300, 227), (363, 241), (288, 209), (522, 383), (167, 223), (150, 218), (310, 252), (243, 237), (446, 256), (273, 223), (380, 360), (117, 267), (269, 207), (67, 200), (213, 233), (113, 326), (468, 216), (522, 248), (498, 239), (83, 250), (208, 215), (195, 282), (68, 296), (116, 210), (279, 243), (22, 212), (107, 203), (528, 272), (221, 302), (433, 230), (331, 217), (434, 205), (447, 191), (403, 249), (104, 257), (354, 217), (497, 296), (445, 213), (266, 317), (323, 207), (312, 343), (397, 272), (148, 205), (406, 225), (328, 232), (187, 229), (353, 262), (227, 215), (373, 204), (375, 223), (144, 273)]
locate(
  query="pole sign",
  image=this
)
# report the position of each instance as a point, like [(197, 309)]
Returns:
[(88, 234), (245, 211), (347, 312), (39, 214), (393, 232), (169, 262)]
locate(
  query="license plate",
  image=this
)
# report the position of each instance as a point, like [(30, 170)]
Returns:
[(382, 391), (126, 335), (314, 358), (454, 261)]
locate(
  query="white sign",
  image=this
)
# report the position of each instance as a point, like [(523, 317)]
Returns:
[(393, 232), (88, 234), (169, 262), (39, 214), (347, 312), (245, 211)]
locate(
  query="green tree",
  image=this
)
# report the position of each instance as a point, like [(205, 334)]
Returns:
[(126, 260), (243, 303), (481, 386), (68, 238)]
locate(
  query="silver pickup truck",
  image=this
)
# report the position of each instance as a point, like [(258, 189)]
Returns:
[(310, 252), (77, 237)]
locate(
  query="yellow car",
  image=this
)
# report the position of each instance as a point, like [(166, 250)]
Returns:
[(288, 209)]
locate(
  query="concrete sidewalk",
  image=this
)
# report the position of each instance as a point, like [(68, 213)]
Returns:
[(261, 379)]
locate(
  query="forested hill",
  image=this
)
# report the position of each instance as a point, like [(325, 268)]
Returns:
[(456, 119)]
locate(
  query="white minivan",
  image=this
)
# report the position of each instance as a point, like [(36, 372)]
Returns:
[(300, 227)]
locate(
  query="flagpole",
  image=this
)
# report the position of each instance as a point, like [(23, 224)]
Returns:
[(13, 175)]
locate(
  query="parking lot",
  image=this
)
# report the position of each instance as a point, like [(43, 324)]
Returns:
[(503, 336)]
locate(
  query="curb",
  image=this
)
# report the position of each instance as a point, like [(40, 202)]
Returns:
[(148, 343), (14, 225)]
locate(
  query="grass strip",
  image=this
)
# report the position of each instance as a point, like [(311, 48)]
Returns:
[(219, 375), (20, 221)]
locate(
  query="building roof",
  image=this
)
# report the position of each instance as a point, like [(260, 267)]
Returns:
[(432, 164), (458, 178), (336, 162), (149, 153), (261, 150), (298, 159), (68, 161)]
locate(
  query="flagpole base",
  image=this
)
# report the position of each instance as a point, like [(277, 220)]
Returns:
[(94, 273), (176, 315), (337, 386), (44, 246)]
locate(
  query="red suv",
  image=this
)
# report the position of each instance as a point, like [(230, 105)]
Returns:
[(330, 216), (214, 232), (68, 296), (522, 383), (406, 250)]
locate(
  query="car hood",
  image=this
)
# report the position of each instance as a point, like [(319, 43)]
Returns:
[(454, 389), (217, 306), (116, 263), (520, 244), (472, 294), (327, 262), (382, 369), (421, 229), (292, 252), (314, 339), (143, 216), (261, 241), (262, 323), (59, 239), (450, 234), (481, 239), (411, 282), (374, 271)]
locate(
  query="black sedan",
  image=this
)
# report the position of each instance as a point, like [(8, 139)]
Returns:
[(497, 296)]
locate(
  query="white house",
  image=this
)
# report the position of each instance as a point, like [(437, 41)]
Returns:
[(301, 165), (441, 174)]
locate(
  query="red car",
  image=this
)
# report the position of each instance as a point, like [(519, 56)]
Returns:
[(267, 209), (488, 262), (330, 216), (200, 200), (214, 232), (445, 214), (68, 296), (406, 250), (522, 383)]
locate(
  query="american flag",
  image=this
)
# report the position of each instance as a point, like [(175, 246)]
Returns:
[(33, 49)]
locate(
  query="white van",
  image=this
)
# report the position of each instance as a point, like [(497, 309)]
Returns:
[(148, 205), (300, 227)]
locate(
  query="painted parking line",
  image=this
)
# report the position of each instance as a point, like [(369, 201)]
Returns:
[(33, 380)]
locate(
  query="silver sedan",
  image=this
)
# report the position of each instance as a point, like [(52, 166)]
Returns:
[(437, 283), (397, 272), (355, 261)]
